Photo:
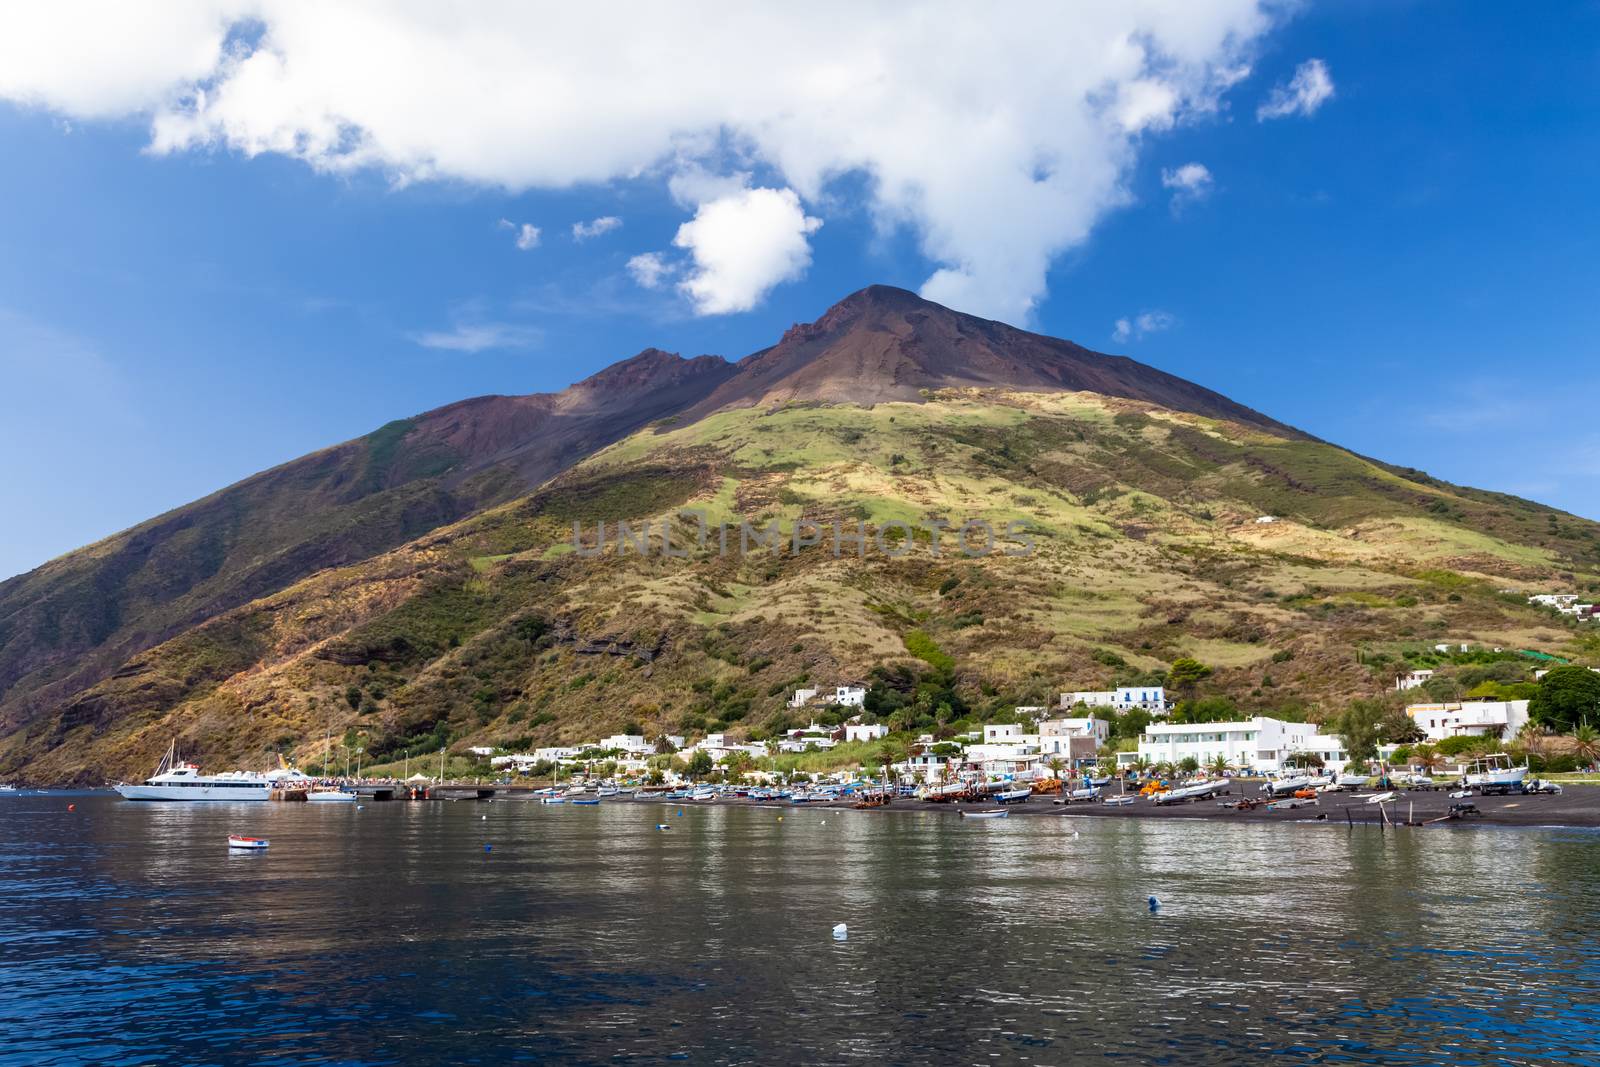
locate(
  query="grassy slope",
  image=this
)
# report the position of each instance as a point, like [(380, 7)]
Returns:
[(1147, 549)]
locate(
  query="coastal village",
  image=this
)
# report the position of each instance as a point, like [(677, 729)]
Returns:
[(1084, 735)]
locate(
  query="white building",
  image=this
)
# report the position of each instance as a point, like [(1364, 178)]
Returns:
[(1411, 680), (551, 755), (632, 744), (1260, 744), (865, 731), (481, 750), (1151, 698), (520, 763), (801, 697), (849, 696), (1099, 729), (1478, 718)]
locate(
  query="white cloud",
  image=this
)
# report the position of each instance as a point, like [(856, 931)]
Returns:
[(1189, 183), (527, 233), (582, 231), (1309, 89), (649, 269), (742, 245), (1000, 142), (479, 337), (1146, 322)]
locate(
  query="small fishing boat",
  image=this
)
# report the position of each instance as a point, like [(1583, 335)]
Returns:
[(253, 844), (1380, 798), (703, 794), (586, 800), (1119, 802), (552, 800), (609, 791), (1495, 774), (662, 826), (330, 796), (1000, 814), (1013, 796)]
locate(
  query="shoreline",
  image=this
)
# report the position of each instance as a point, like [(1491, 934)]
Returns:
[(1572, 809)]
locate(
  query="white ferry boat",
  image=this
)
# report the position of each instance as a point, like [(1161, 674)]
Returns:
[(177, 780)]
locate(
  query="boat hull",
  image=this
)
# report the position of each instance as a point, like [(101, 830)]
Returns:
[(231, 791)]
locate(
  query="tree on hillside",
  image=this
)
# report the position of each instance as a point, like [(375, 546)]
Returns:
[(1186, 673), (699, 764), (1567, 696), (1206, 709)]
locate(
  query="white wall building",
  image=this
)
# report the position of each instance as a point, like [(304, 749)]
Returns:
[(1411, 680), (1480, 718), (1050, 729), (801, 697), (849, 696), (632, 744), (1261, 743), (865, 731), (1151, 698)]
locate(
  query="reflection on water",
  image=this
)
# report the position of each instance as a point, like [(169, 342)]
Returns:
[(129, 934)]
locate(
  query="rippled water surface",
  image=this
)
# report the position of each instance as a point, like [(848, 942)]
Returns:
[(389, 935)]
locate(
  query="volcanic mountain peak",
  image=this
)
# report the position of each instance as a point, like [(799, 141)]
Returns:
[(884, 344)]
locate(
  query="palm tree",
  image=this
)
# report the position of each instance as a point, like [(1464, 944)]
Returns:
[(1586, 743), (1218, 765), (1426, 756), (1055, 765)]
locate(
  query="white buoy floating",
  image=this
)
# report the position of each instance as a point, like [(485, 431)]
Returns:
[(662, 826), (840, 932)]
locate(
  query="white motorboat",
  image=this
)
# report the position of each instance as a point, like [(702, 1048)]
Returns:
[(1348, 780), (251, 844), (1001, 814), (703, 794), (1496, 774), (1013, 796), (1380, 798), (1193, 791), (330, 796), (1287, 784), (4, 788), (177, 780)]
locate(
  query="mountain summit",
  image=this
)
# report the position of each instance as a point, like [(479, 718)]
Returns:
[(884, 344)]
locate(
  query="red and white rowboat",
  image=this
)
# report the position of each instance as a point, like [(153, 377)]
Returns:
[(237, 841)]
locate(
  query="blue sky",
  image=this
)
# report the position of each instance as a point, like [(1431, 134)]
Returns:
[(1407, 268)]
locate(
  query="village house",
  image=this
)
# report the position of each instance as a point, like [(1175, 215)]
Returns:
[(801, 697), (865, 731), (1151, 698), (631, 744), (1411, 680), (1478, 718), (1261, 744), (844, 696), (1072, 740)]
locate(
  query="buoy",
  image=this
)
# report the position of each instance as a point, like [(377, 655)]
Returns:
[(680, 813), (662, 826), (840, 932), (1074, 833), (72, 807), (361, 807), (484, 817), (824, 822), (1155, 905), (490, 848), (780, 818)]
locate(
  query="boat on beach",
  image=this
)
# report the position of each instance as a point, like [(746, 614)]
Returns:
[(1495, 774), (1193, 791), (1013, 796)]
